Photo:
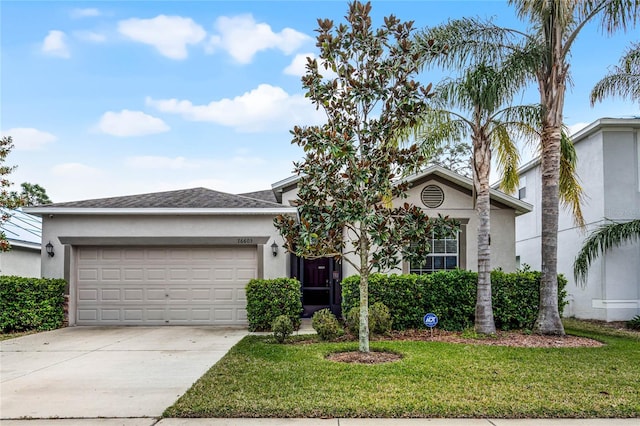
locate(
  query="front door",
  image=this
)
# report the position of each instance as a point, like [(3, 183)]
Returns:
[(320, 279)]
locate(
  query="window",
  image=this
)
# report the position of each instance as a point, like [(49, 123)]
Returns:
[(443, 257), (522, 190)]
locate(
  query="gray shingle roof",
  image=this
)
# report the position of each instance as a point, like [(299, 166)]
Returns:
[(201, 198), (265, 195)]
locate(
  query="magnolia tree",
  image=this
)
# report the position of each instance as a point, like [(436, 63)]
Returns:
[(7, 200), (353, 169)]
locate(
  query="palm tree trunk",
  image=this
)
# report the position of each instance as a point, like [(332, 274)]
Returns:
[(484, 321), (552, 88)]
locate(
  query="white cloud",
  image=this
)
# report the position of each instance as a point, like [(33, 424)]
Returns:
[(85, 13), (157, 162), (264, 108), (131, 123), (242, 37), (298, 66), (55, 44), (29, 139), (170, 35), (90, 36), (75, 170)]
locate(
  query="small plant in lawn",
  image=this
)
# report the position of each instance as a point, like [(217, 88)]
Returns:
[(380, 318), (634, 323), (326, 325), (282, 328), (352, 321)]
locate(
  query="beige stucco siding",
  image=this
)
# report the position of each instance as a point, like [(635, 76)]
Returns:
[(179, 227)]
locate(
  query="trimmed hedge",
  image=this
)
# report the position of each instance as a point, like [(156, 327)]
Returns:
[(451, 296), (31, 303), (268, 299)]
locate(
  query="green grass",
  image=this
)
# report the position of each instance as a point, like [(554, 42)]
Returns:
[(262, 379)]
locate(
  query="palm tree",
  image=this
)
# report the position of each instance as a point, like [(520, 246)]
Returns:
[(624, 81), (556, 25), (600, 241), (475, 105), (543, 56)]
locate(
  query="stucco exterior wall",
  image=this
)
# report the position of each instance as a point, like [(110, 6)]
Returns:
[(608, 168), (20, 261), (178, 227), (458, 204)]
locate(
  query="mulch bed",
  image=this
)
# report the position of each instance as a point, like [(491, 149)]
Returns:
[(501, 338)]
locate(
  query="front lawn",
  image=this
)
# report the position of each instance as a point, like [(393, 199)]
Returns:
[(434, 379)]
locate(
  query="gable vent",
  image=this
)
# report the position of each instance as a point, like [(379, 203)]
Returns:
[(432, 196)]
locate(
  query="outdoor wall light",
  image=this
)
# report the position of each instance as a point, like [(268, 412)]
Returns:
[(274, 249), (49, 248)]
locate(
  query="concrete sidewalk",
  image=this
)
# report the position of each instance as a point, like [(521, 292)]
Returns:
[(322, 422)]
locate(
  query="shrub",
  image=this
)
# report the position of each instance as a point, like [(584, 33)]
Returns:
[(352, 321), (268, 299), (326, 324), (634, 323), (451, 295), (282, 328), (379, 319), (31, 303), (402, 294)]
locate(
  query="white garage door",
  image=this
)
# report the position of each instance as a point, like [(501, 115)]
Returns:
[(164, 285)]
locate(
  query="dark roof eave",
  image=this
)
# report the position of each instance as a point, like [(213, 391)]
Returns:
[(239, 211)]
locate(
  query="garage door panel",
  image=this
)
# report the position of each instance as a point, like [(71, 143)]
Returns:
[(110, 294), (90, 274), (110, 274), (133, 274), (88, 294), (180, 285)]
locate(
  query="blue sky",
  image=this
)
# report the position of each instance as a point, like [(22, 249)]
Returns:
[(123, 97)]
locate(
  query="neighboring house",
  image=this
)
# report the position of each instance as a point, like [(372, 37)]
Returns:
[(609, 169), (184, 257), (23, 233)]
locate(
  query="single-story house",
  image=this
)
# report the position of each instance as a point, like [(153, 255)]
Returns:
[(184, 257), (23, 231)]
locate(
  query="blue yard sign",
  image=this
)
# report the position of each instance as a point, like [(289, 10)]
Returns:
[(430, 320)]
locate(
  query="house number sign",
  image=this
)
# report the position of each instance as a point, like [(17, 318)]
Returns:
[(245, 240)]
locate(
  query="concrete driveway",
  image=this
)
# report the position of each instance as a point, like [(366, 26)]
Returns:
[(90, 372)]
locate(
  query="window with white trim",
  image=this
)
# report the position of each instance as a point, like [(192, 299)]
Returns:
[(444, 256), (522, 188)]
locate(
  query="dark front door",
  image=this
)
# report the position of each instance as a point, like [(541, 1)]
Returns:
[(320, 279)]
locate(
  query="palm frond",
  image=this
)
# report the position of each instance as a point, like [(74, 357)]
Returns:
[(571, 193), (600, 241), (467, 41), (623, 81), (508, 158)]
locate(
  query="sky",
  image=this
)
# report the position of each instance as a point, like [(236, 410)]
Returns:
[(110, 98)]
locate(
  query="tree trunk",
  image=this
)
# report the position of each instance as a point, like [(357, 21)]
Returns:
[(548, 321), (364, 296), (552, 85), (484, 321)]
